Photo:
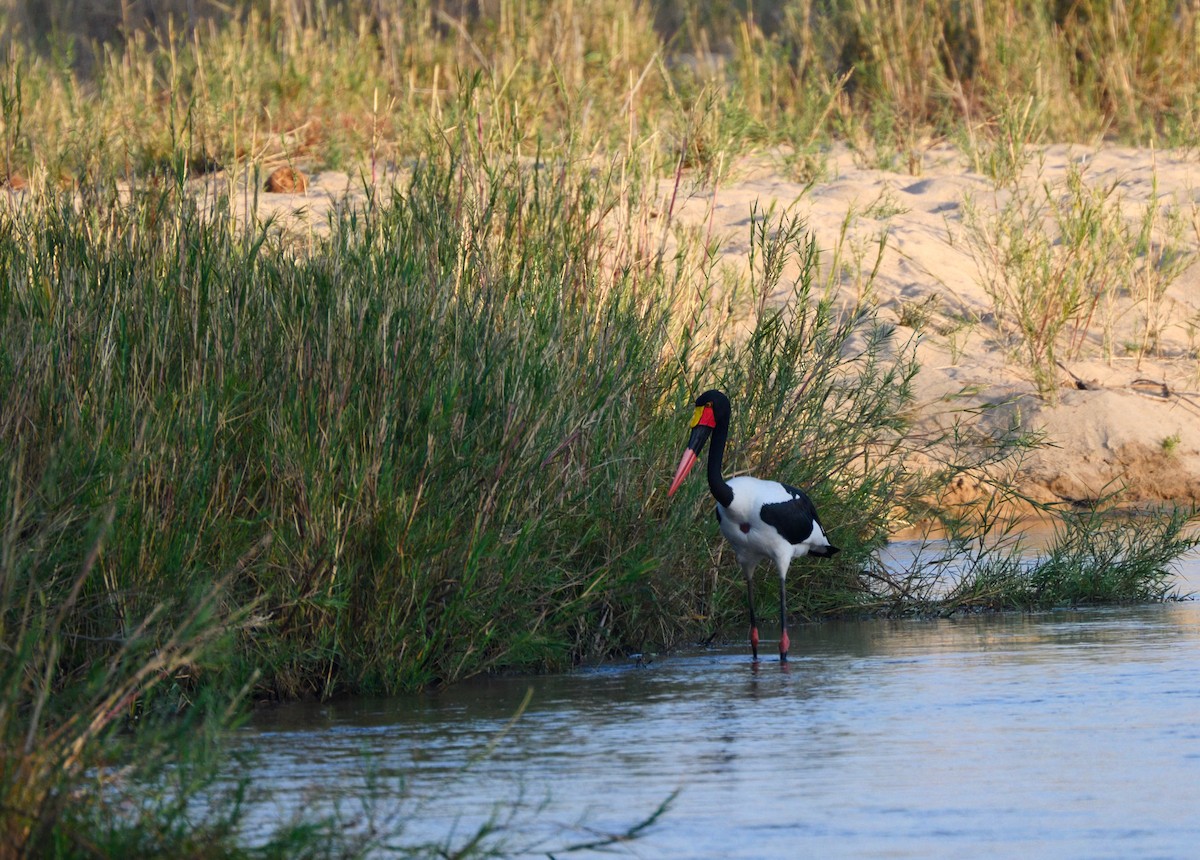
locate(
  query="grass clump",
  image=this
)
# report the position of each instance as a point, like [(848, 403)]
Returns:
[(1057, 260), (1095, 558), (982, 560)]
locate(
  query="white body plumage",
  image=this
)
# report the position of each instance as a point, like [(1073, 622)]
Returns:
[(754, 540)]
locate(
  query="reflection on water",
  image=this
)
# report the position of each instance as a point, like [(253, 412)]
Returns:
[(1072, 734)]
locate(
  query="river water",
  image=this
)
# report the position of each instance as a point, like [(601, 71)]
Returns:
[(1065, 734)]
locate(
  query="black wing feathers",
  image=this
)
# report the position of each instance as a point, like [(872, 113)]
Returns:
[(793, 519)]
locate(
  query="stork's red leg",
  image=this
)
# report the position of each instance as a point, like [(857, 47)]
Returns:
[(753, 623)]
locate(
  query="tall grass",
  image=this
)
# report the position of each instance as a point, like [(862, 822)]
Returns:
[(82, 668), (434, 445), (324, 84), (415, 455)]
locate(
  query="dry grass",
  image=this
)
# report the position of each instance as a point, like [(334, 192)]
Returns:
[(1073, 271), (285, 82)]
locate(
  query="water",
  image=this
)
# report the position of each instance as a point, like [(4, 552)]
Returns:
[(1065, 734)]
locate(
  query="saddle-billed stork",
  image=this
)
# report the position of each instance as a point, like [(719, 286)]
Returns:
[(761, 519)]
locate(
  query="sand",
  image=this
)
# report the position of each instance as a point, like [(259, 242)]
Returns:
[(1121, 413)]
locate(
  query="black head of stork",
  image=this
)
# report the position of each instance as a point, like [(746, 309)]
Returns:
[(761, 519)]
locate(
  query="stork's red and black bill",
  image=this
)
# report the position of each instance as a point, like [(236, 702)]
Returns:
[(703, 422)]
